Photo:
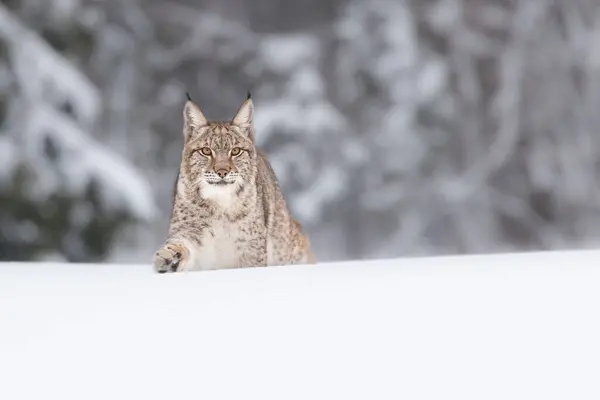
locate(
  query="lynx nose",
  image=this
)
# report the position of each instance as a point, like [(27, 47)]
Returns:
[(222, 172)]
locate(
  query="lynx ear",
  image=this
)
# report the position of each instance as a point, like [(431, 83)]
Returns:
[(192, 117), (245, 115)]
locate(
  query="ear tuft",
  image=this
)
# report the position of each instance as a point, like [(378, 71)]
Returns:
[(245, 115), (187, 94), (249, 96), (192, 118)]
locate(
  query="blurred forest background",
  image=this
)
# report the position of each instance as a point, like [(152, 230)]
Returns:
[(397, 127)]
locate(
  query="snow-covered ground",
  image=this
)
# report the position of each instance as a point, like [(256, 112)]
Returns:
[(479, 327)]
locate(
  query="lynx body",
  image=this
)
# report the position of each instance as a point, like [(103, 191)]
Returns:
[(228, 209)]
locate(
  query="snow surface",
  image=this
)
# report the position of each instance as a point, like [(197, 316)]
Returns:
[(474, 327)]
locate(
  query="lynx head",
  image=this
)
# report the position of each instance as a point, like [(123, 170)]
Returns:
[(219, 158)]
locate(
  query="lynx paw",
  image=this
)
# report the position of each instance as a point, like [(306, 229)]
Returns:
[(171, 258)]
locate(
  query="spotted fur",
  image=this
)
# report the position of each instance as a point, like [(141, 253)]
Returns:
[(228, 208)]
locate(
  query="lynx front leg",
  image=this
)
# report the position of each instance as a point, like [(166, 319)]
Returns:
[(171, 258), (253, 254)]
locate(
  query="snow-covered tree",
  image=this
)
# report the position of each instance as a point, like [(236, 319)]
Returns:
[(61, 192), (477, 119), (397, 127)]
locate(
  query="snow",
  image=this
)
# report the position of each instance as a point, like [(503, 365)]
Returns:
[(328, 184), (304, 108), (82, 159), (44, 74), (521, 326), (287, 52), (48, 83), (9, 159)]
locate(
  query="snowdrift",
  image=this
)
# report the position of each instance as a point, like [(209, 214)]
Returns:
[(519, 326)]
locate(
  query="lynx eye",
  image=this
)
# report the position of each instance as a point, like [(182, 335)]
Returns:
[(236, 151), (206, 151)]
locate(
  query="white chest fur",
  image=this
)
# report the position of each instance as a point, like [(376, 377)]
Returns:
[(218, 249)]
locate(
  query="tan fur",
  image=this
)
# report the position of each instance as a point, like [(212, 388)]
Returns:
[(228, 209)]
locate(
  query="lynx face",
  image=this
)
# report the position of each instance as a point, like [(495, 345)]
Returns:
[(219, 157)]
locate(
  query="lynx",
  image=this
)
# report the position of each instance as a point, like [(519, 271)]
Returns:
[(228, 209)]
